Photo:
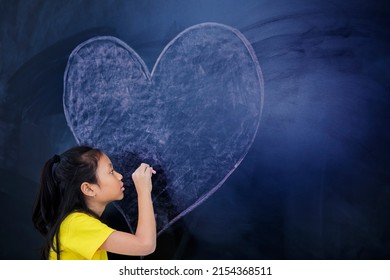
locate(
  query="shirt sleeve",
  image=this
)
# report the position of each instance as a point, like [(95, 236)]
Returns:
[(85, 234)]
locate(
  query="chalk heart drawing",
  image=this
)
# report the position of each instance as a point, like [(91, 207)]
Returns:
[(194, 117)]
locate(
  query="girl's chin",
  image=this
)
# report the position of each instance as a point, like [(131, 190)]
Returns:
[(122, 194)]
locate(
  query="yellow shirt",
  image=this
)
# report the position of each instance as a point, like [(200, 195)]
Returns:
[(81, 236)]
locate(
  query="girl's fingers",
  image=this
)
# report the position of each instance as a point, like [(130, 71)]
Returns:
[(152, 170), (146, 167)]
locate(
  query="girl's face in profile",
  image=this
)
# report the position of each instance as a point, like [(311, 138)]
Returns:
[(109, 181)]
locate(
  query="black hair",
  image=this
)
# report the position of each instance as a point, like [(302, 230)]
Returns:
[(60, 193)]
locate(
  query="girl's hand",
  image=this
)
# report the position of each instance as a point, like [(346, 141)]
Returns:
[(142, 178)]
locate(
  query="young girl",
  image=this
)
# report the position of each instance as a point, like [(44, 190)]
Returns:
[(74, 191)]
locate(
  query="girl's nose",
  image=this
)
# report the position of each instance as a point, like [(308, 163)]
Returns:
[(119, 176)]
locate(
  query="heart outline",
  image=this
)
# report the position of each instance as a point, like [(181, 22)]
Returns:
[(150, 75)]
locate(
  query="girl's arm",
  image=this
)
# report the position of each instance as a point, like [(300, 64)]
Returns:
[(143, 242)]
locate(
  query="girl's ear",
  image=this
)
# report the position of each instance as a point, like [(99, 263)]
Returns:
[(87, 189)]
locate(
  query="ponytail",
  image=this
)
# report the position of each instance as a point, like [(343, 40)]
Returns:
[(48, 200)]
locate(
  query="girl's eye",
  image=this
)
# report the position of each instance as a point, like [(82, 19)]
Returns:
[(112, 171)]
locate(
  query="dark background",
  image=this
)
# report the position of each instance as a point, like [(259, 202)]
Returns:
[(314, 185)]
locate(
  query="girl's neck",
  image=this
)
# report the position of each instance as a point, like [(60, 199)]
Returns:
[(96, 207)]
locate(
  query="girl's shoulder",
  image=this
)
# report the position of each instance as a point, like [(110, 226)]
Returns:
[(77, 215), (83, 224)]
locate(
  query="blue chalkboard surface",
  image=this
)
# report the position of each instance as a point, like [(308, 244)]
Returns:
[(315, 182), (194, 117)]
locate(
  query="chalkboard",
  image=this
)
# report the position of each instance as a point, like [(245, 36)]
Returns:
[(315, 182)]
